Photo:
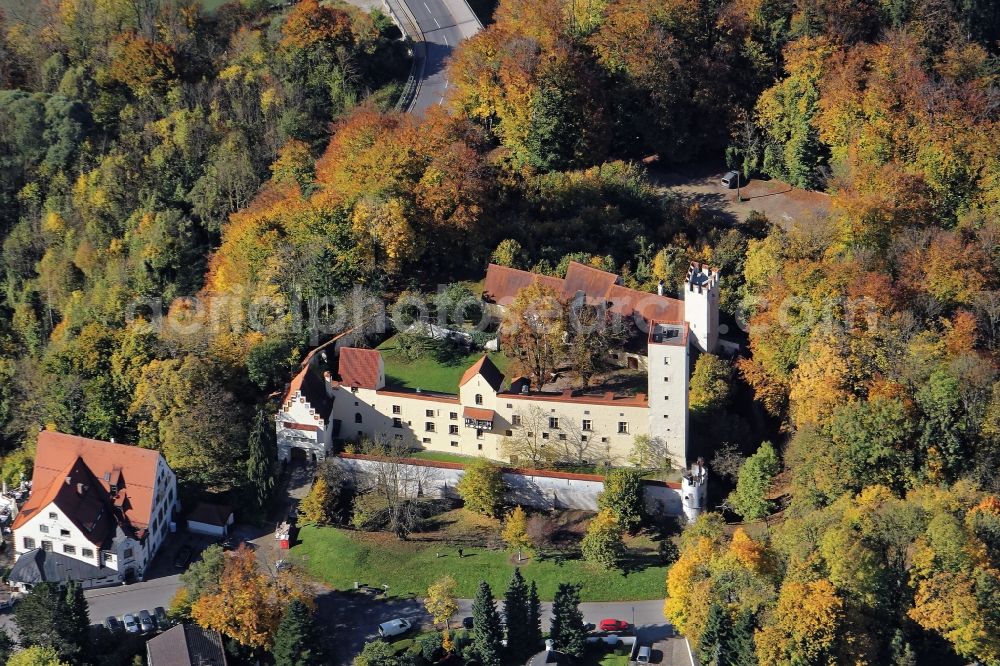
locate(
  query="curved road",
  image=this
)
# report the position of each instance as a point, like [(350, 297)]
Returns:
[(444, 23)]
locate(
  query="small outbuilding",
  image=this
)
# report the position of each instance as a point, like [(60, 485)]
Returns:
[(186, 645), (211, 519)]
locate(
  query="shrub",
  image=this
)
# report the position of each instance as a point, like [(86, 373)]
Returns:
[(481, 488), (625, 497), (431, 646), (753, 482), (603, 542)]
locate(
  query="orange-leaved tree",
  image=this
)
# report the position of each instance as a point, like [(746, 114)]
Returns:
[(249, 603)]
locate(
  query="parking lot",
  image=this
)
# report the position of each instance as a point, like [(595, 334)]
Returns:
[(780, 202)]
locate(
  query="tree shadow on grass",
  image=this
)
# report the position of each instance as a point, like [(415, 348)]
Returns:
[(447, 352)]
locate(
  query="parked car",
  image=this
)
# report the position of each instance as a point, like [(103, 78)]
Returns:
[(131, 626), (160, 615), (643, 656), (396, 627), (146, 621), (610, 624), (112, 624), (731, 179), (183, 557)]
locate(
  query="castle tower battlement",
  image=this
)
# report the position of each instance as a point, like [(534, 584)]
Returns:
[(701, 305)]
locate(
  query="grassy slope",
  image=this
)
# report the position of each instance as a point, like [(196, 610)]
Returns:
[(443, 456), (437, 370), (340, 557)]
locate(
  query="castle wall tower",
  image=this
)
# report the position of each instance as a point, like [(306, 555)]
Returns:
[(668, 371), (701, 305), (694, 490)]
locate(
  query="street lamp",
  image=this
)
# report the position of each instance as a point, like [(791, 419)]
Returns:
[(633, 617)]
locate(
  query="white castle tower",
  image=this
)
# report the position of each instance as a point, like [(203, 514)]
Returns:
[(701, 305), (668, 369), (694, 490)]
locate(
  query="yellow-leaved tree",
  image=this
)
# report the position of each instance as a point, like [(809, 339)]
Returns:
[(440, 602), (515, 531)]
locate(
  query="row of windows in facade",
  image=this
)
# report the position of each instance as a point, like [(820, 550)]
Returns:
[(70, 549), (588, 425)]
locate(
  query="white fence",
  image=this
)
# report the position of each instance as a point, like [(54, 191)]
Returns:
[(540, 489)]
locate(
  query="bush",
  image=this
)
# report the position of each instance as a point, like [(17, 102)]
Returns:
[(430, 646), (753, 482), (625, 497), (399, 647), (481, 488), (603, 542)]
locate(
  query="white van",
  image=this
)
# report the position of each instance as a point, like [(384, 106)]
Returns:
[(395, 627)]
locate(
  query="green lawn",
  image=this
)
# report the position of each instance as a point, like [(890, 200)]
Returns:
[(340, 557), (438, 369), (442, 456)]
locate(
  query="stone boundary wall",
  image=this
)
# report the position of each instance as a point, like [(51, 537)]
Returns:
[(540, 489)]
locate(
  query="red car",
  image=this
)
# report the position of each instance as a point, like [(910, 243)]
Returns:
[(609, 624)]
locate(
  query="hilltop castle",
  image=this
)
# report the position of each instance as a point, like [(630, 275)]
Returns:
[(351, 401)]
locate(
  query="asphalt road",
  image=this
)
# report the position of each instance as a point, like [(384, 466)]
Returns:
[(444, 23), (119, 600), (355, 618)]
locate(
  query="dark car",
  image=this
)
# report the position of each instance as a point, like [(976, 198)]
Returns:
[(467, 622), (183, 557), (111, 623), (161, 617)]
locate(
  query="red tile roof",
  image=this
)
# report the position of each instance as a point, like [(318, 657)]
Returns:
[(478, 414), (485, 367), (591, 281), (59, 456), (502, 285), (360, 368), (651, 307), (305, 427)]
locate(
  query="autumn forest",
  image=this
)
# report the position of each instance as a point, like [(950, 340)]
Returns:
[(156, 157)]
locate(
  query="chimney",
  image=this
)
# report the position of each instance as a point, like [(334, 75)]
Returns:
[(659, 288), (112, 440)]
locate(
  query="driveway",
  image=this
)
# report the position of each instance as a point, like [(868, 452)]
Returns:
[(163, 578), (780, 202)]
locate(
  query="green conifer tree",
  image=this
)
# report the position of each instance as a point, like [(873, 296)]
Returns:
[(534, 624), (515, 603), (297, 641), (259, 471), (487, 632), (567, 621)]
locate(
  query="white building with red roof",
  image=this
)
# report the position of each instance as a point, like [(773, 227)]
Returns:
[(97, 513), (353, 402)]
